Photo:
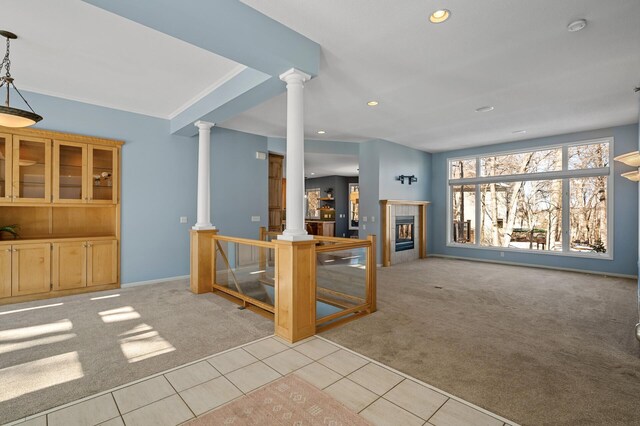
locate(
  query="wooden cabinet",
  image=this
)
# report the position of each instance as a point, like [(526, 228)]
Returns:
[(31, 165), (102, 262), (5, 271), (70, 172), (69, 265), (6, 168), (103, 175), (84, 173), (30, 269), (63, 192), (80, 264), (326, 229)]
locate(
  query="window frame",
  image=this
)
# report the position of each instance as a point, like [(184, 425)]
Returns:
[(564, 175)]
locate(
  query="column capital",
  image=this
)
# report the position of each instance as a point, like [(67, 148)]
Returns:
[(294, 76), (203, 125)]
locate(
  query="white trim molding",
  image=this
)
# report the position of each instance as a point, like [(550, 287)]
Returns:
[(156, 281)]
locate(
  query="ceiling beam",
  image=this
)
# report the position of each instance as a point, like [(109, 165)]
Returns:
[(235, 31)]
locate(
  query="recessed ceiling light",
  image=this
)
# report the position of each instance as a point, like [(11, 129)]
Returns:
[(312, 173), (485, 108), (321, 132), (372, 103), (519, 132), (577, 25), (439, 16)]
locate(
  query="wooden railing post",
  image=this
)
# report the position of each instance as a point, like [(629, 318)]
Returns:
[(295, 293), (371, 274), (263, 251), (202, 268)]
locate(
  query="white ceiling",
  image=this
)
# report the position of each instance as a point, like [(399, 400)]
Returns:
[(74, 50), (514, 55), (319, 165)]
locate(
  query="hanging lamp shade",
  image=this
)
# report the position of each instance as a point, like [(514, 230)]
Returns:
[(9, 116), (14, 117)]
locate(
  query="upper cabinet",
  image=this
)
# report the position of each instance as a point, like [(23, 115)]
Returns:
[(70, 171), (37, 170), (84, 173), (6, 187), (31, 170), (103, 170)]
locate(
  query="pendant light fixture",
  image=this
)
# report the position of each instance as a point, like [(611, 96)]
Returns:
[(13, 117)]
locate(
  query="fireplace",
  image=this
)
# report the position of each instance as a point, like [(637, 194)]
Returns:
[(404, 233)]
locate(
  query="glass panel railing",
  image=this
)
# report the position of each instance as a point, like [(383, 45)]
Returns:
[(341, 279), (246, 271)]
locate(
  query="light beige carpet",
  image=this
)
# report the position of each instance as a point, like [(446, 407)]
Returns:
[(287, 401), (76, 346), (537, 346)]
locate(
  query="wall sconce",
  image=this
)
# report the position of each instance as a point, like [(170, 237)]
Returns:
[(410, 179), (630, 159)]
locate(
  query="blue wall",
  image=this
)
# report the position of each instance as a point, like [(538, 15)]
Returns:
[(159, 182), (380, 163), (625, 219), (340, 185), (239, 183)]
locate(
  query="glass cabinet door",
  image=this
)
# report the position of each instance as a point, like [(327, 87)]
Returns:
[(31, 170), (69, 172), (103, 183), (5, 168)]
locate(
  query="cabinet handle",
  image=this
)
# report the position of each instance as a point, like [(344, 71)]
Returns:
[(8, 250), (14, 250)]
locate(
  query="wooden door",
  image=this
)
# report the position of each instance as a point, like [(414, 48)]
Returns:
[(31, 170), (5, 271), (275, 192), (70, 172), (103, 174), (102, 262), (69, 266), (6, 170), (30, 269)]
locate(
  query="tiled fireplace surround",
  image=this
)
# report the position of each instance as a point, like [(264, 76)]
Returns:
[(390, 211), (405, 255)]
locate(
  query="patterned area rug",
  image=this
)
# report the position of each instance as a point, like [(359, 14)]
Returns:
[(288, 401)]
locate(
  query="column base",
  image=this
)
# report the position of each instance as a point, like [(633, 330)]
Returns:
[(295, 237), (203, 227)]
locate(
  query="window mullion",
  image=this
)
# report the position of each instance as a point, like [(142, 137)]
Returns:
[(477, 227), (566, 223)]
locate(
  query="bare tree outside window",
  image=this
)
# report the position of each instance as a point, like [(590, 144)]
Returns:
[(464, 213)]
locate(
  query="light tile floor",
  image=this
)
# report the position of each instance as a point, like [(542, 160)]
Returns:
[(378, 393)]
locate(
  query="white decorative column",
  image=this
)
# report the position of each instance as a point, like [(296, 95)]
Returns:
[(204, 176), (295, 230)]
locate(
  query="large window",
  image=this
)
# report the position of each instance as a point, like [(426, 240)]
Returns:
[(354, 205), (552, 200), (313, 203)]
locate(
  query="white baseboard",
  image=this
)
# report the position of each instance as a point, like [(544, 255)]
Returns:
[(531, 265), (159, 280)]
